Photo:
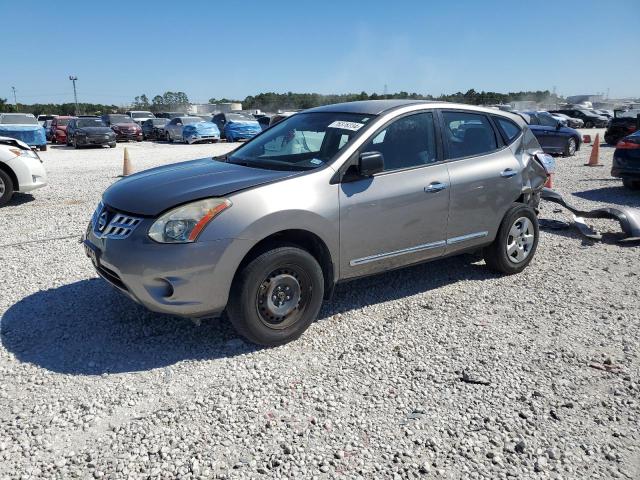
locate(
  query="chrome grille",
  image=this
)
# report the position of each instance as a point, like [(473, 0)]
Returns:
[(115, 225)]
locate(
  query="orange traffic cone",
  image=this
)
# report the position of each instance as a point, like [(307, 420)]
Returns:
[(126, 164), (595, 153), (586, 138), (549, 182)]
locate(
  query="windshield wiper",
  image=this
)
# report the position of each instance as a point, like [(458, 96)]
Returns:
[(269, 164)]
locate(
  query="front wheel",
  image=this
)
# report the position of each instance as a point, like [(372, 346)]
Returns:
[(570, 147), (6, 188), (516, 241), (276, 297), (43, 148), (588, 125), (631, 184)]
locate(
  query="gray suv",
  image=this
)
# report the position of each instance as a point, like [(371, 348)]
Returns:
[(326, 195)]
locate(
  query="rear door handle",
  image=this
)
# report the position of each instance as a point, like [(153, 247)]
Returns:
[(435, 187), (508, 173)]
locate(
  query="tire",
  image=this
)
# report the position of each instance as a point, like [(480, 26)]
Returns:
[(6, 188), (67, 142), (631, 184), (112, 145), (570, 147), (275, 274), (42, 148), (75, 143), (169, 139), (588, 125), (53, 140), (502, 255)]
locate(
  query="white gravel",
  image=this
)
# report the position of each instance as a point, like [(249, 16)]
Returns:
[(94, 386)]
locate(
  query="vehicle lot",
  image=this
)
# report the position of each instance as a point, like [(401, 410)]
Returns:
[(94, 385)]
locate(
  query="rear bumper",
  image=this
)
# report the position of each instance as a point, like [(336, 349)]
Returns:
[(633, 173)]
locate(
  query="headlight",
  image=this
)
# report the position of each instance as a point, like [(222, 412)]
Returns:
[(183, 224), (24, 153)]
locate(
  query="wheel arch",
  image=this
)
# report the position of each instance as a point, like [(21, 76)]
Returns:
[(303, 239), (12, 175)]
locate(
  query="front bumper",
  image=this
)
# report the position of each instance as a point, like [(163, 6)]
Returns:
[(188, 280), (60, 137), (94, 140), (203, 138), (128, 135)]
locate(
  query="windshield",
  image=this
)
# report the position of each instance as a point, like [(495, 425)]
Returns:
[(142, 114), (63, 122), (120, 119), (240, 117), (90, 122), (546, 119), (629, 113), (189, 120), (19, 118), (302, 142), (588, 113)]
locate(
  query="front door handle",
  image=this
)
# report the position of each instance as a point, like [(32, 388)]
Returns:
[(508, 173), (435, 187)]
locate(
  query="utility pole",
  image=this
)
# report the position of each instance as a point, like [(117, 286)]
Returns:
[(15, 100), (73, 78)]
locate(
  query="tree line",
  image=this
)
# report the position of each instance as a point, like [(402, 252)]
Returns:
[(271, 101)]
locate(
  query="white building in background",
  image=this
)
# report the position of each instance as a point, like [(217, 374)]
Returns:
[(205, 108)]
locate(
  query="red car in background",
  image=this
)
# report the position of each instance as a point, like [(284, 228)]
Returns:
[(59, 129)]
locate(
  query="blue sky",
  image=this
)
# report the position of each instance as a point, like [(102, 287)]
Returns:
[(233, 49)]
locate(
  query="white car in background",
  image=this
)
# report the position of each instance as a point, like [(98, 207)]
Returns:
[(21, 169)]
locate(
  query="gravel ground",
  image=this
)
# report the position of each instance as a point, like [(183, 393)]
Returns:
[(94, 386)]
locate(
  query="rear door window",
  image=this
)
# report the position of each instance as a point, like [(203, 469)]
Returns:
[(468, 134), (510, 130)]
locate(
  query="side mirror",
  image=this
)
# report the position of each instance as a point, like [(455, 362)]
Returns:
[(370, 163)]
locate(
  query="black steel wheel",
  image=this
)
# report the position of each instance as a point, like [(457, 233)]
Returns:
[(276, 296)]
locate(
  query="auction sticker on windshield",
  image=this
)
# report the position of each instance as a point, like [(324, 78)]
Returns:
[(346, 125)]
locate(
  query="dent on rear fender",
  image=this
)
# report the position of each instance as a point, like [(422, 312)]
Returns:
[(534, 175)]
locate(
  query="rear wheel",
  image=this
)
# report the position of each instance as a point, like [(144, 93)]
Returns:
[(631, 184), (516, 241), (6, 188), (276, 297), (43, 148), (570, 147)]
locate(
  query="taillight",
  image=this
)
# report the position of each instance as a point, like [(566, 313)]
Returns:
[(627, 145)]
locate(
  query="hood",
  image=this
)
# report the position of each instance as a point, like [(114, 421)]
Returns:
[(200, 128), (126, 126), (94, 130), (242, 128), (153, 191), (29, 134)]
